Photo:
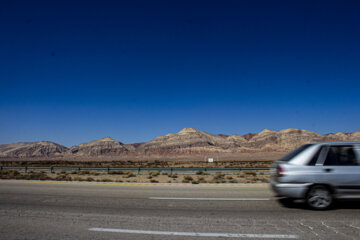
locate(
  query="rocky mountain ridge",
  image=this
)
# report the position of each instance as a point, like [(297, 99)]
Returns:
[(104, 146), (32, 149), (188, 141)]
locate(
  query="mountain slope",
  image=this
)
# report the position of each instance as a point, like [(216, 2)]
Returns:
[(187, 142), (104, 146), (193, 141), (32, 149), (190, 140), (285, 139)]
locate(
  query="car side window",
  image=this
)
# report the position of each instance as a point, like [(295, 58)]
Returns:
[(341, 156)]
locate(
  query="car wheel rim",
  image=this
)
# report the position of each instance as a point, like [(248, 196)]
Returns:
[(319, 198)]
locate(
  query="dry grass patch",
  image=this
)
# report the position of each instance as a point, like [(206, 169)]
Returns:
[(94, 173), (201, 180), (105, 180), (187, 179), (84, 172), (173, 176), (129, 175), (117, 172), (154, 174)]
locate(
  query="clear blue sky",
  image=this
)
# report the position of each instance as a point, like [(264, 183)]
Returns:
[(72, 71)]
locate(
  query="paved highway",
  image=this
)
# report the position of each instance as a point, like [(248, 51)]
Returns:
[(39, 210)]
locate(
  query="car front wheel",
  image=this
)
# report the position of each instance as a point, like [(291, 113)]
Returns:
[(319, 197)]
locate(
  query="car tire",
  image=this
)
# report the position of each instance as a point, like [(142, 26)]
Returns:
[(319, 197)]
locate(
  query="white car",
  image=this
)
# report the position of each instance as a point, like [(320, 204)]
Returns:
[(319, 173)]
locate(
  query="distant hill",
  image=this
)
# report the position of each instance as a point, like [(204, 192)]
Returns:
[(187, 142), (104, 146), (32, 149), (191, 141)]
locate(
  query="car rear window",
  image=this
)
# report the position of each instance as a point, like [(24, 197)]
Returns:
[(289, 156)]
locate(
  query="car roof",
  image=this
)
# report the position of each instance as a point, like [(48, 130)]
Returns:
[(337, 143)]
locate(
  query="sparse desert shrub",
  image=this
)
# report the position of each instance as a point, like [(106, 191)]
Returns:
[(233, 181), (80, 179), (60, 178), (11, 174), (154, 174), (129, 175), (149, 177), (174, 176), (220, 174), (217, 179), (37, 176), (164, 173), (119, 172), (106, 180), (84, 172), (249, 172), (44, 177), (199, 173), (188, 178), (95, 173), (213, 181), (154, 181), (63, 177), (251, 178), (63, 172), (201, 180), (27, 177), (242, 180), (229, 177), (89, 179)]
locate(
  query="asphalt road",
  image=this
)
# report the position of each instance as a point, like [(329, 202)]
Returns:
[(38, 210)]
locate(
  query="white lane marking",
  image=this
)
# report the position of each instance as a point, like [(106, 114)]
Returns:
[(210, 199), (195, 234)]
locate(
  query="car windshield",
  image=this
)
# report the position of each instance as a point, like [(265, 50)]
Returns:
[(289, 156)]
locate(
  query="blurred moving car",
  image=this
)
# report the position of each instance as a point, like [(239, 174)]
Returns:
[(319, 173)]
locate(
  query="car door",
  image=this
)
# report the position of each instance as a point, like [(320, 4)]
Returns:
[(341, 170)]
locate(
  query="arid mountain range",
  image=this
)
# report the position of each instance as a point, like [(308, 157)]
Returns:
[(187, 142)]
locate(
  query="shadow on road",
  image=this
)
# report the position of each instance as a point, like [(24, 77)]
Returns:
[(339, 204)]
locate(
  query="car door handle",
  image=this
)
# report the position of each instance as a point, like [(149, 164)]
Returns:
[(328, 170)]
